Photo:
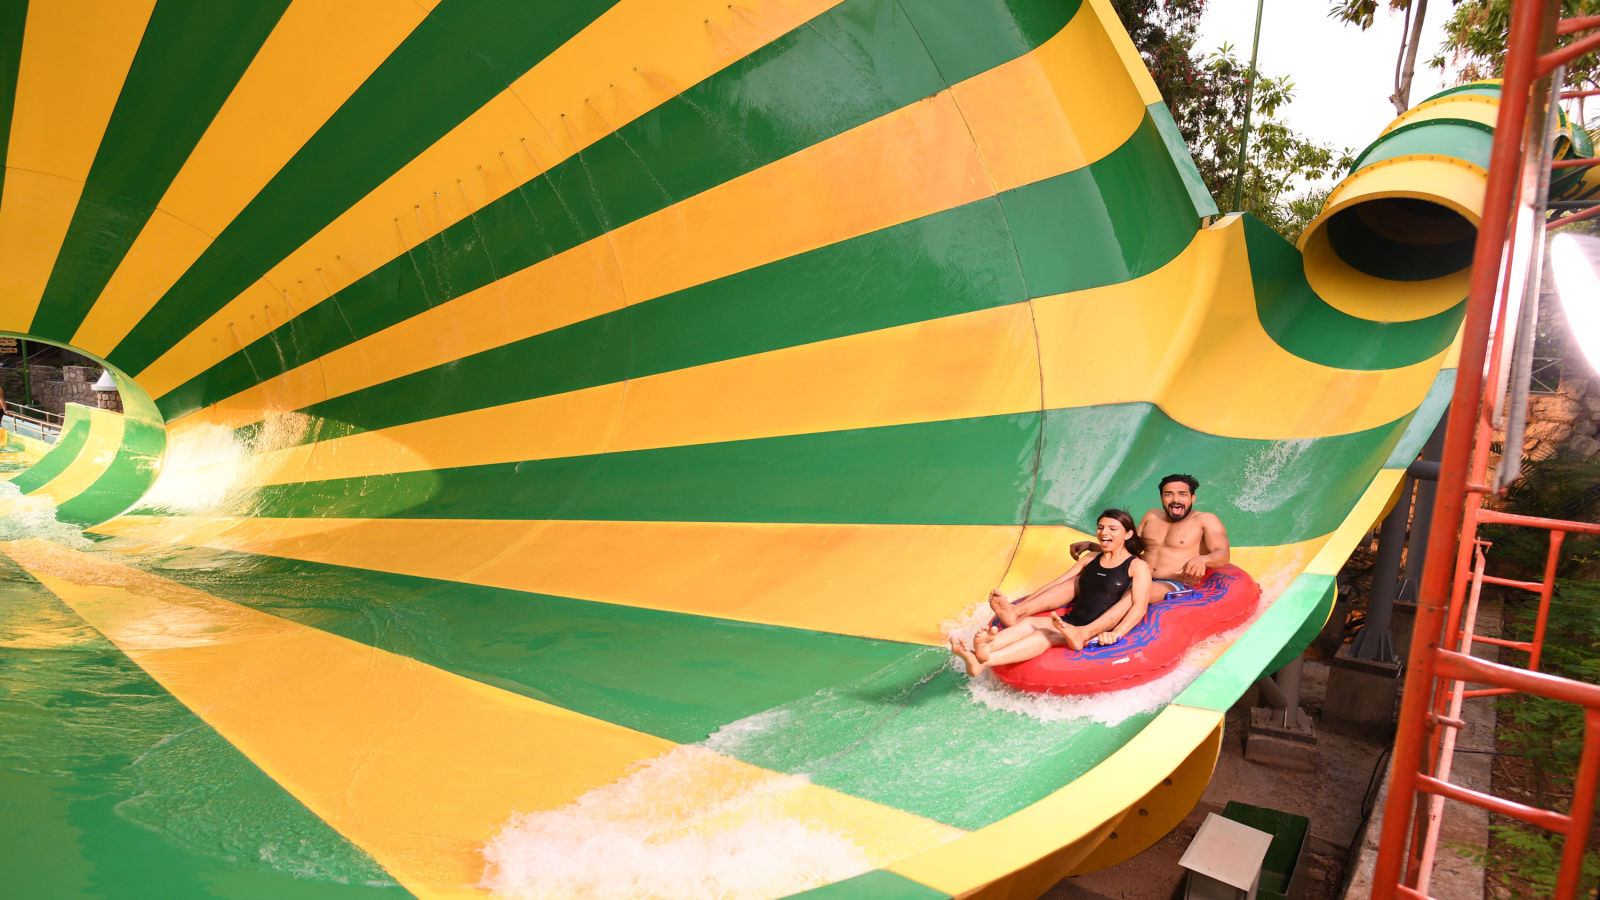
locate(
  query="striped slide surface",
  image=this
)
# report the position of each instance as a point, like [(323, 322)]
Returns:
[(559, 436)]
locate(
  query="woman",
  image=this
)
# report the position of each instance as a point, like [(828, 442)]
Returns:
[(1099, 610)]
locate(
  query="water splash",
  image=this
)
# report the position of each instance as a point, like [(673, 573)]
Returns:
[(689, 824), (213, 469), (1265, 483), (24, 516)]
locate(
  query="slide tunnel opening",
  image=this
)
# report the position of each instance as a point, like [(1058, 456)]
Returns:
[(103, 461), (1402, 238)]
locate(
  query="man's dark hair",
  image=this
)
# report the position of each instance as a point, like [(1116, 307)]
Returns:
[(1190, 480)]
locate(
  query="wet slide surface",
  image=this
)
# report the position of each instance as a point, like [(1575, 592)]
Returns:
[(559, 440)]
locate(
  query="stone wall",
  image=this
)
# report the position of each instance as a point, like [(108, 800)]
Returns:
[(1570, 418), (76, 385)]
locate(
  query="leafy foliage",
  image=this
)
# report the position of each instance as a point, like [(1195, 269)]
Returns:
[(1533, 857), (1560, 487), (1548, 736), (1475, 41), (1207, 97)]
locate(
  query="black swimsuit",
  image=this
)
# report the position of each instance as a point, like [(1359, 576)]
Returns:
[(1098, 590)]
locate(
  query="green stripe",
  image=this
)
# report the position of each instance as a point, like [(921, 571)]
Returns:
[(862, 705), (130, 473), (856, 63), (1111, 456), (1305, 325), (976, 471), (1461, 139), (1280, 634), (456, 60), (114, 789), (961, 472), (74, 433), (1125, 216), (963, 39), (1423, 421), (1204, 203), (191, 55), (947, 263), (875, 885), (13, 18), (673, 675)]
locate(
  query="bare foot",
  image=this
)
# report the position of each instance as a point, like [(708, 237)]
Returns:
[(1066, 631), (981, 642), (974, 668), (1003, 610)]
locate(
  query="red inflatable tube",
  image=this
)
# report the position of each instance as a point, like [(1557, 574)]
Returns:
[(1224, 600)]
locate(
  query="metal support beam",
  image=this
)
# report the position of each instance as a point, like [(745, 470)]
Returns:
[(1375, 641)]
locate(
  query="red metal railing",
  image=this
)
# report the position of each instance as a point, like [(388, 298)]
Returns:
[(1441, 664)]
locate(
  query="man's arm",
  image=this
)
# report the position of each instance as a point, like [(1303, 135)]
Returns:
[(1213, 540)]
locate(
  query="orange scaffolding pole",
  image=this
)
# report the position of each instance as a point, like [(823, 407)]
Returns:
[(1440, 662)]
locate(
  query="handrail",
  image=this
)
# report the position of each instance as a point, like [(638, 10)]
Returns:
[(40, 417)]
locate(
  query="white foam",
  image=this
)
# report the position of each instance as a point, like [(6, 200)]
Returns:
[(1264, 484), (34, 516), (1106, 708), (210, 469), (690, 824)]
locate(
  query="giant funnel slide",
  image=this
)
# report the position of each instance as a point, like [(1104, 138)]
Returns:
[(558, 433)]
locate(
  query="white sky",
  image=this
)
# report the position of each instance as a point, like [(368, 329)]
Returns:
[(1342, 76)]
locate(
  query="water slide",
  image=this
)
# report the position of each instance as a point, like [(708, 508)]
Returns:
[(559, 437)]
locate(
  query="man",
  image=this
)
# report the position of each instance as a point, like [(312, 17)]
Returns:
[(1181, 547)]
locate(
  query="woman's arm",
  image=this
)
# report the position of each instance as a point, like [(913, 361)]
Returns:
[(1140, 570), (1057, 593)]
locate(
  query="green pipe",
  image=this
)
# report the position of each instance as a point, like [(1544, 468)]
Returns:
[(1249, 99), (27, 385)]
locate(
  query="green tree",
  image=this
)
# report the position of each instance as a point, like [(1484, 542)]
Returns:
[(1475, 41), (1206, 94)]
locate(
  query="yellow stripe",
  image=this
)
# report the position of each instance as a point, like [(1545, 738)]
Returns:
[(849, 185), (954, 367), (32, 447), (1056, 109), (317, 55), (650, 50), (916, 575), (1472, 107), (99, 449), (1132, 62), (1182, 331), (74, 59), (417, 766), (976, 364), (1366, 512), (751, 572)]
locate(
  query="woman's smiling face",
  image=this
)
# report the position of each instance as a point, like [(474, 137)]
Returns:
[(1111, 533)]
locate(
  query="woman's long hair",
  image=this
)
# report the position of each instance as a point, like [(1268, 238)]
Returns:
[(1135, 543)]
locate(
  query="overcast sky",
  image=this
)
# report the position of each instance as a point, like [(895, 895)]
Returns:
[(1342, 76)]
